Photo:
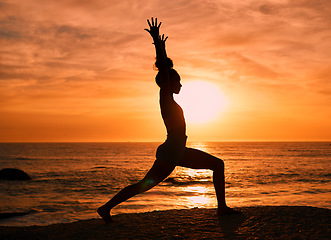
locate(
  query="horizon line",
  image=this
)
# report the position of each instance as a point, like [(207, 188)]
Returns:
[(129, 141)]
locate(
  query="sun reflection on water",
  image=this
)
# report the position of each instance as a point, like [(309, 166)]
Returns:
[(198, 145), (197, 173), (202, 197), (196, 189)]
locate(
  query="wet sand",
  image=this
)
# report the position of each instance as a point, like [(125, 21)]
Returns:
[(276, 222)]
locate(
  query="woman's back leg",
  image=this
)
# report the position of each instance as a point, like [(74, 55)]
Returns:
[(158, 172)]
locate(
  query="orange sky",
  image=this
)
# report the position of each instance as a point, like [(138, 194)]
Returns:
[(83, 70)]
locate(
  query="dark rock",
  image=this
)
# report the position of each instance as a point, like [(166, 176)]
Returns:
[(13, 214), (13, 174)]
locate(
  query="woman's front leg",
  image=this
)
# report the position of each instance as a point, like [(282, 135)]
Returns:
[(198, 159)]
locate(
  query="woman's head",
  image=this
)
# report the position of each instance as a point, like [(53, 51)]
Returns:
[(174, 77), (174, 80), (169, 63)]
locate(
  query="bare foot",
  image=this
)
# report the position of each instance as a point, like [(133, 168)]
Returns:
[(227, 211), (104, 214)]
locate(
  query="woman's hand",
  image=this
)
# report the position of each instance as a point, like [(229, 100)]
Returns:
[(159, 42), (154, 29), (163, 40)]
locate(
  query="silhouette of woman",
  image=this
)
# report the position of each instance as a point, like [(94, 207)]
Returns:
[(172, 152)]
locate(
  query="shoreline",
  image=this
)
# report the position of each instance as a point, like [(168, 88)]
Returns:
[(264, 222)]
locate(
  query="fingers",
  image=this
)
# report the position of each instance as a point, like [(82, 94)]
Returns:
[(158, 26), (154, 24), (154, 27), (163, 39)]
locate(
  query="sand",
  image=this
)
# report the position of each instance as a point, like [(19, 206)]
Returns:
[(274, 222)]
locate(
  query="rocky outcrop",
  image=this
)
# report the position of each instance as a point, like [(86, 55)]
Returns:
[(12, 214), (13, 174)]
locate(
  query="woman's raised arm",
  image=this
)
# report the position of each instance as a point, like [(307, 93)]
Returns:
[(159, 42)]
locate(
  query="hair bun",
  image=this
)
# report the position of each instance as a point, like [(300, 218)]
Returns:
[(169, 63)]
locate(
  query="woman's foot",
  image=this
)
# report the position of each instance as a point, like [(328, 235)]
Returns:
[(104, 214), (227, 211)]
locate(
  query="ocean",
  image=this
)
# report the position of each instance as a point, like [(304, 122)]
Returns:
[(71, 180)]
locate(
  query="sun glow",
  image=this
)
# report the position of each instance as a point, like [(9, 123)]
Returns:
[(202, 197), (202, 101)]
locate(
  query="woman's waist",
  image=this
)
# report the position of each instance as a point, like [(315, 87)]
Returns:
[(179, 131), (176, 138)]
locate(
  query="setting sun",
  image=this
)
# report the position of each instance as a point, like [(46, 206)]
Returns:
[(202, 101), (82, 71)]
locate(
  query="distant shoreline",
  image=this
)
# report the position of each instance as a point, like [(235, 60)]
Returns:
[(193, 141), (265, 222)]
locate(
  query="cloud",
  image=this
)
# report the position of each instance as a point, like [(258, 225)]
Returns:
[(80, 56)]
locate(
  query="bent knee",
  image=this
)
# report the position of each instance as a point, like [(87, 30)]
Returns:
[(218, 165)]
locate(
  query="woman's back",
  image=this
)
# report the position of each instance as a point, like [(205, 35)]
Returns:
[(172, 115)]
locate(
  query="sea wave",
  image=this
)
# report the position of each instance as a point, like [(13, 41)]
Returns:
[(186, 182), (5, 215)]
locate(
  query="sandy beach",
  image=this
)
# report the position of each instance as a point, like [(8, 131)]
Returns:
[(274, 222)]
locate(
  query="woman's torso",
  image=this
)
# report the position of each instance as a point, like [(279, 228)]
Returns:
[(173, 116)]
